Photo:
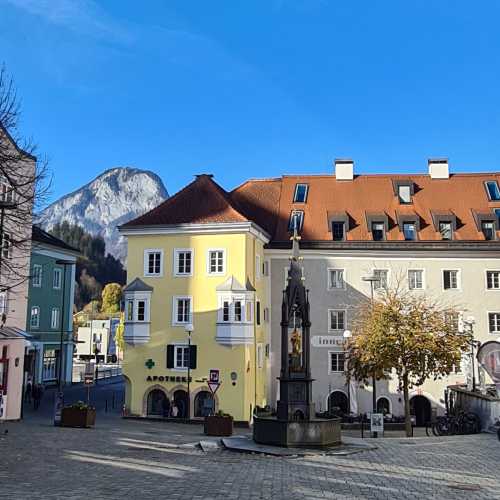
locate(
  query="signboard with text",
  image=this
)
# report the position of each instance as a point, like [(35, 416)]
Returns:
[(377, 422)]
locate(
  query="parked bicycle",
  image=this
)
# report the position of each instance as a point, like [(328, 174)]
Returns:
[(460, 423)]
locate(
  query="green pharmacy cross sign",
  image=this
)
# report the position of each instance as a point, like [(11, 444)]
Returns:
[(150, 363)]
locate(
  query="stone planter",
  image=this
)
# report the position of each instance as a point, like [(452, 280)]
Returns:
[(218, 426), (76, 417)]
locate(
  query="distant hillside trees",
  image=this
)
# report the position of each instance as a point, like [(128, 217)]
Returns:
[(95, 269)]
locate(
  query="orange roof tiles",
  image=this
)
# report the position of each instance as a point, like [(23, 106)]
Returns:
[(269, 203)]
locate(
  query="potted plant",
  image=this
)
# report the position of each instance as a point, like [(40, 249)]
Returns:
[(220, 424), (78, 414)]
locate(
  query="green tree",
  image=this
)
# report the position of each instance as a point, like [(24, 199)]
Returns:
[(408, 334), (111, 296)]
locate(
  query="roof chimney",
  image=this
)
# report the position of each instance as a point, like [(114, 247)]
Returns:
[(438, 168), (344, 169)]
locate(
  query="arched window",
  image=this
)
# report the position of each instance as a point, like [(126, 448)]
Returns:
[(203, 404), (383, 406), (158, 403), (338, 401)]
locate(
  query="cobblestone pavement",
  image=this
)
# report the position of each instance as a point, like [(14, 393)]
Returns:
[(140, 459)]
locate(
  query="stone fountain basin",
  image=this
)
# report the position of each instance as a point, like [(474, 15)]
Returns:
[(317, 432)]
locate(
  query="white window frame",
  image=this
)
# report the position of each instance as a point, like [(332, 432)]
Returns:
[(329, 283), (216, 273), (330, 355), (260, 355), (184, 347), (175, 300), (488, 322), (37, 284), (330, 329), (4, 302), (459, 280), (257, 267), (300, 213), (423, 279), (296, 190), (387, 277), (54, 325), (488, 191), (6, 245), (495, 289), (57, 270), (147, 252), (178, 251), (37, 325)]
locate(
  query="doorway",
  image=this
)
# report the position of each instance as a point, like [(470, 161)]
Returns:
[(181, 401), (338, 399), (420, 406), (158, 404)]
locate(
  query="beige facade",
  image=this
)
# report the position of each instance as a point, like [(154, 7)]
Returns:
[(471, 296)]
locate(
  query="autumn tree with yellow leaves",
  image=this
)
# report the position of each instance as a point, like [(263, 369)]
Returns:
[(407, 334)]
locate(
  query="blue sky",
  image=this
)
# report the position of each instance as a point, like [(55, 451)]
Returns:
[(254, 88)]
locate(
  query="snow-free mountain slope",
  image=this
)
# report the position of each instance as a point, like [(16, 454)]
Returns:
[(113, 198)]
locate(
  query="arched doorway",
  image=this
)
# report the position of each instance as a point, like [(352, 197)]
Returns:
[(203, 404), (158, 403), (337, 399), (383, 406), (181, 401), (420, 406)]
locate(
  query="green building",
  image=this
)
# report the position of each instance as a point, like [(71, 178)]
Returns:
[(50, 308)]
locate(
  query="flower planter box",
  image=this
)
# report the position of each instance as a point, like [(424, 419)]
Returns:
[(75, 417), (218, 426)]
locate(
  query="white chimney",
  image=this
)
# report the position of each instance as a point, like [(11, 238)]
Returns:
[(344, 170), (438, 168)]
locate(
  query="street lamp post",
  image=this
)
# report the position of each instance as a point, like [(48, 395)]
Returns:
[(189, 331), (60, 397), (470, 322), (372, 279), (347, 336)]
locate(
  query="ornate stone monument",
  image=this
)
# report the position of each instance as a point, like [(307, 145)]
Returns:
[(295, 423)]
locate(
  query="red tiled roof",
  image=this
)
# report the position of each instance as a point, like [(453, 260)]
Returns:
[(269, 203)]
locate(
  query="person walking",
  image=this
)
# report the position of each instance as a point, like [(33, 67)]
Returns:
[(175, 410)]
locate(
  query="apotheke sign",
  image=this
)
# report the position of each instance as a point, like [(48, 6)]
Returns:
[(167, 378), (327, 341)]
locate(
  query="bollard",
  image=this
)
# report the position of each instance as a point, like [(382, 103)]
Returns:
[(113, 401), (106, 407)]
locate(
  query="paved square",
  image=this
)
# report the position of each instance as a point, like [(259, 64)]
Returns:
[(141, 459)]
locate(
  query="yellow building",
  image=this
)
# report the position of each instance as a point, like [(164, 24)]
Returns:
[(196, 267)]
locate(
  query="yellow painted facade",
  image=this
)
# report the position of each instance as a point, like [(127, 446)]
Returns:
[(241, 251)]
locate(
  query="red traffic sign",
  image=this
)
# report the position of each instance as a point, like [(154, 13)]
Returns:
[(213, 386)]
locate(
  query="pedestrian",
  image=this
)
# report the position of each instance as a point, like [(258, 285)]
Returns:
[(175, 410), (28, 391), (165, 406), (37, 395)]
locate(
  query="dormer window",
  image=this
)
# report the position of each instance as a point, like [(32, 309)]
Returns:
[(488, 229), (409, 231), (404, 190), (300, 195), (492, 190), (296, 220), (404, 194), (378, 231), (338, 231), (446, 230)]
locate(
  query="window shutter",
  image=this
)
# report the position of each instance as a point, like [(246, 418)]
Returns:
[(170, 356), (192, 357), (257, 312)]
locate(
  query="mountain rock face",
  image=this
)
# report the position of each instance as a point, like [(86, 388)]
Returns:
[(111, 199)]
